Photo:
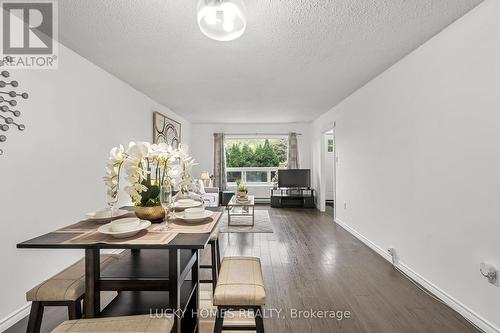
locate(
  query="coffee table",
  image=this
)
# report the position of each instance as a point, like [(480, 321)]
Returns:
[(246, 206)]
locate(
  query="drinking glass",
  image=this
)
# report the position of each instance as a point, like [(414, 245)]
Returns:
[(166, 202), (112, 199)]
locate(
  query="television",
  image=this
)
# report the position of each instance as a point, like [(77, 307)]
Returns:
[(294, 178)]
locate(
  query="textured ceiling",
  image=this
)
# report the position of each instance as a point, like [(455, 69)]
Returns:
[(296, 60)]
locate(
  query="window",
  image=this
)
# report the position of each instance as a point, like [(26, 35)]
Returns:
[(233, 176), (330, 145), (256, 177), (255, 160)]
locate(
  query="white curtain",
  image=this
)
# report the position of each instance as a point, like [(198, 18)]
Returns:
[(293, 151), (219, 162)]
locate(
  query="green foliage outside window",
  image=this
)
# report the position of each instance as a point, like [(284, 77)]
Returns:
[(256, 153)]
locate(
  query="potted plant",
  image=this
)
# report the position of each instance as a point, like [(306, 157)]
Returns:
[(146, 167), (242, 189)]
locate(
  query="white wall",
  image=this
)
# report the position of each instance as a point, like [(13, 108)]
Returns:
[(202, 147), (419, 161), (51, 174)]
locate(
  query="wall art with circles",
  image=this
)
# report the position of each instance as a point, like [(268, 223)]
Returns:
[(166, 130), (8, 106)]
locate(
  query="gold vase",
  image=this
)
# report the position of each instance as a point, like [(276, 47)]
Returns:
[(150, 213)]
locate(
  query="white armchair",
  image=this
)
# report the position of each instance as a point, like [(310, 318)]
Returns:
[(210, 195)]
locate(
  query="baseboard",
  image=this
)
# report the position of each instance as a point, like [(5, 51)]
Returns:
[(262, 201), (24, 310), (453, 303), (14, 317)]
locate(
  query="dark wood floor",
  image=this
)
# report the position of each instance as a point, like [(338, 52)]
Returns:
[(329, 210), (311, 263)]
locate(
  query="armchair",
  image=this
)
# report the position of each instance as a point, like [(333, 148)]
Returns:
[(210, 195)]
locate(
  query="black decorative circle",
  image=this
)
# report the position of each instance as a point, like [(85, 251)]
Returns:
[(7, 122)]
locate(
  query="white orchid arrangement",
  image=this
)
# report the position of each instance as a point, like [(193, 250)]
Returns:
[(186, 181), (147, 167)]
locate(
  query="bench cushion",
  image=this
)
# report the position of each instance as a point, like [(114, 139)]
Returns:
[(240, 282), (67, 285), (136, 324)]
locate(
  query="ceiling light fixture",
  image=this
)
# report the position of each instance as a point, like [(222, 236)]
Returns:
[(222, 20)]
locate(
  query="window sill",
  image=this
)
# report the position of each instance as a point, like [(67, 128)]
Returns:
[(252, 185)]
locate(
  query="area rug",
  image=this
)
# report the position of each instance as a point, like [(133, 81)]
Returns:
[(262, 223)]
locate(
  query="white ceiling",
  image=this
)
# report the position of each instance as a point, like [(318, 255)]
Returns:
[(296, 60)]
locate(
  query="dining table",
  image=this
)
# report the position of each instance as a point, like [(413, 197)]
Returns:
[(156, 273)]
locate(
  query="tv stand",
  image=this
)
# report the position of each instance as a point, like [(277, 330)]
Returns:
[(292, 197)]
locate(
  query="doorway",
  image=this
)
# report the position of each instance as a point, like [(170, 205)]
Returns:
[(327, 185)]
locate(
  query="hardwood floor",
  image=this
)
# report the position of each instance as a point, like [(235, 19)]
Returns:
[(329, 210), (311, 263)]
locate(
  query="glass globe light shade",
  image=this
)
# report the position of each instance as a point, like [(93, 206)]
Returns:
[(222, 20)]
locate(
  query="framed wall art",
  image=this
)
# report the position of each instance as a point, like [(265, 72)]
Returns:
[(166, 130)]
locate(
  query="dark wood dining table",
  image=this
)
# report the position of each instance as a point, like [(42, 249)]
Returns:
[(149, 278)]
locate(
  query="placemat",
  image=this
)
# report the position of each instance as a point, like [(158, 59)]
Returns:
[(181, 227), (89, 225), (144, 237)]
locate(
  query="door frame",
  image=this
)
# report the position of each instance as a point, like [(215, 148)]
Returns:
[(322, 189)]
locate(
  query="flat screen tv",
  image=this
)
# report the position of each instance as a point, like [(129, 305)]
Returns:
[(294, 178)]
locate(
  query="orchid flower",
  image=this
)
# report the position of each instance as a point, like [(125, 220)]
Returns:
[(144, 166)]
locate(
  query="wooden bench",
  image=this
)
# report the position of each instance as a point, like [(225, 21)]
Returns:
[(66, 288), (135, 324), (240, 286)]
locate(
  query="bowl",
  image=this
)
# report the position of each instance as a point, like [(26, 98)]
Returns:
[(105, 214), (193, 213), (125, 224), (184, 202)]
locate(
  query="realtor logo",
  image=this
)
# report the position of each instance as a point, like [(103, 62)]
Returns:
[(28, 34)]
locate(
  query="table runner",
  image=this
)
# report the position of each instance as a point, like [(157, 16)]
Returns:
[(154, 235)]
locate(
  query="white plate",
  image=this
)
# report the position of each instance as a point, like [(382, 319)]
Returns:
[(190, 205), (106, 229), (181, 216), (105, 214)]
